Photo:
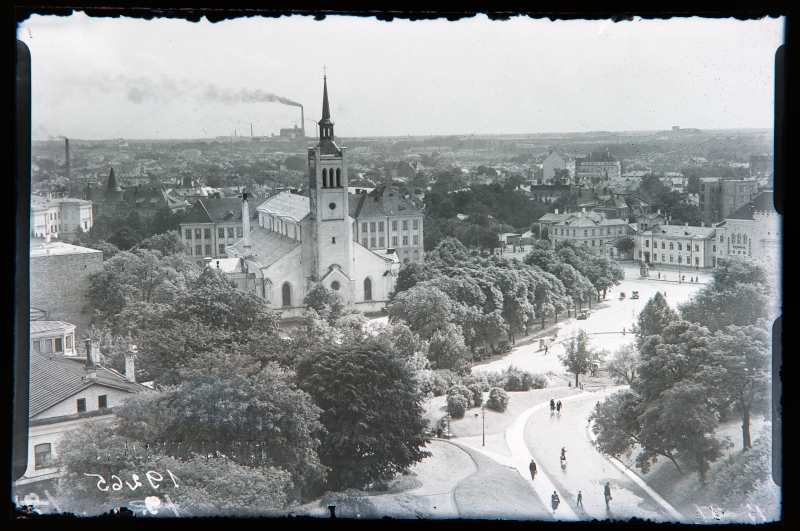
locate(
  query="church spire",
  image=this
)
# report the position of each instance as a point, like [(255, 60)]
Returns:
[(326, 111)]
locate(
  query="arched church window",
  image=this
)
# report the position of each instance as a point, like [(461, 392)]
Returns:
[(744, 239), (367, 289), (324, 178), (338, 177), (287, 294), (738, 238)]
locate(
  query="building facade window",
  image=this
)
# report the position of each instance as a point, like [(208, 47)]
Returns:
[(663, 258), (364, 242), (416, 224), (222, 248), (586, 233), (197, 234), (405, 241), (102, 401), (680, 247), (647, 243), (381, 241), (671, 246), (48, 345), (208, 250), (713, 248), (287, 294), (372, 242), (81, 403), (59, 344), (188, 234), (663, 245), (239, 232), (394, 225), (42, 456), (405, 224), (363, 227), (372, 227), (416, 239), (230, 232), (380, 226), (220, 233), (367, 289), (207, 233), (697, 248), (394, 241), (198, 250)]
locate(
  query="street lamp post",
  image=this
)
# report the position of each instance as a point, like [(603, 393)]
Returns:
[(483, 429)]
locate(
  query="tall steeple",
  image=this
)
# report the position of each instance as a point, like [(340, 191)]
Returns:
[(113, 189), (326, 124)]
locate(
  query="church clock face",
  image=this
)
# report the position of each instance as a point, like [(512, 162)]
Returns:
[(332, 206)]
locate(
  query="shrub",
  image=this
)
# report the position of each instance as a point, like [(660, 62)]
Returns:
[(498, 400), (477, 394), (462, 391), (495, 379), (478, 379), (538, 381), (350, 504), (437, 382), (457, 406)]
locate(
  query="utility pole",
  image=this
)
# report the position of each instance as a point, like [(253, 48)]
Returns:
[(483, 430)]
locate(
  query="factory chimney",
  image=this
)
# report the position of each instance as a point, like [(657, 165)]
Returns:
[(245, 225), (302, 123), (251, 130), (66, 149)]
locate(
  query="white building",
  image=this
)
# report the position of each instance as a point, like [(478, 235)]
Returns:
[(62, 217), (753, 230)]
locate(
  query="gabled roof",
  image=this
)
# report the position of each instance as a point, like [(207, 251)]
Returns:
[(555, 217), (381, 202), (219, 210), (40, 327), (763, 202), (53, 379), (266, 246), (288, 205)]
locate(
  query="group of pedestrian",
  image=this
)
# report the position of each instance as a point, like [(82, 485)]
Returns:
[(556, 501), (555, 406)]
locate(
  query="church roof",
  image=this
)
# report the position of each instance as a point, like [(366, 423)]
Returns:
[(113, 184), (288, 205), (760, 203), (381, 202), (266, 246)]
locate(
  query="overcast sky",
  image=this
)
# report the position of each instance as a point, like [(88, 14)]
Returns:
[(96, 78)]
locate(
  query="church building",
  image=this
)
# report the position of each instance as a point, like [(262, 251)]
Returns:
[(302, 241)]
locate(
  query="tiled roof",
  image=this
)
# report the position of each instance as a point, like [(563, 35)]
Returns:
[(38, 327), (219, 210), (54, 379), (680, 231), (266, 246), (555, 217), (286, 204), (761, 203), (381, 202)]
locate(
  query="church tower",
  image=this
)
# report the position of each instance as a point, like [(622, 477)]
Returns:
[(330, 225)]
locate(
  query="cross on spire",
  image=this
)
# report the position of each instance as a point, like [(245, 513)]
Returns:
[(325, 72)]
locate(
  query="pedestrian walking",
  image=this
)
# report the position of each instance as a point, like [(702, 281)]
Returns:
[(552, 404), (558, 406), (563, 458), (532, 468), (554, 500), (607, 494), (683, 277), (659, 276), (579, 503), (545, 349)]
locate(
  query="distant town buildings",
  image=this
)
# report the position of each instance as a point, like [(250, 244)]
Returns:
[(214, 224), (598, 164), (720, 197), (678, 245), (753, 230), (760, 166), (61, 218), (550, 165), (386, 221), (592, 230)]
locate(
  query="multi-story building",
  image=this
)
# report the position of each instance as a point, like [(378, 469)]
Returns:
[(592, 230), (212, 225), (553, 162), (678, 245), (598, 165), (66, 392), (59, 280), (711, 199), (62, 218), (753, 230), (760, 166), (384, 220), (737, 193)]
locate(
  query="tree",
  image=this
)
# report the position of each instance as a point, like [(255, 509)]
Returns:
[(165, 220), (373, 415), (126, 238), (579, 358), (654, 318), (446, 350), (96, 458), (597, 267), (325, 302), (624, 244), (624, 364), (167, 243)]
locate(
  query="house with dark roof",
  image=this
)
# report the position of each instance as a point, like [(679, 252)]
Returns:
[(66, 392), (212, 225), (591, 229), (304, 240), (386, 220), (753, 230), (598, 164)]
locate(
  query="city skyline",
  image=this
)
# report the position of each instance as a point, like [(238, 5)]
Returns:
[(173, 79)]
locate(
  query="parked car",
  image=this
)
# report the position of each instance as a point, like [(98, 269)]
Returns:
[(583, 315), (502, 346), (480, 353), (634, 295), (622, 295)]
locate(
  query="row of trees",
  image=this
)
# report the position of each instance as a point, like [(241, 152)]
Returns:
[(456, 299), (692, 370)]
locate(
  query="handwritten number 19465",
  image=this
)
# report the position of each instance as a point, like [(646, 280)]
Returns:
[(152, 476)]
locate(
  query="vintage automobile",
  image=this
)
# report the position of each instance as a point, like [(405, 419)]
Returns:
[(481, 353), (622, 295), (502, 346), (583, 315), (634, 295)]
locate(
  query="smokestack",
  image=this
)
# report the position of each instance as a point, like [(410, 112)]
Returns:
[(246, 224), (251, 130), (66, 150), (90, 361), (302, 123)]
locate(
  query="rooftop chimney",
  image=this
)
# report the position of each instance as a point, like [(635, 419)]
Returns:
[(246, 224), (66, 152), (90, 360), (556, 211)]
